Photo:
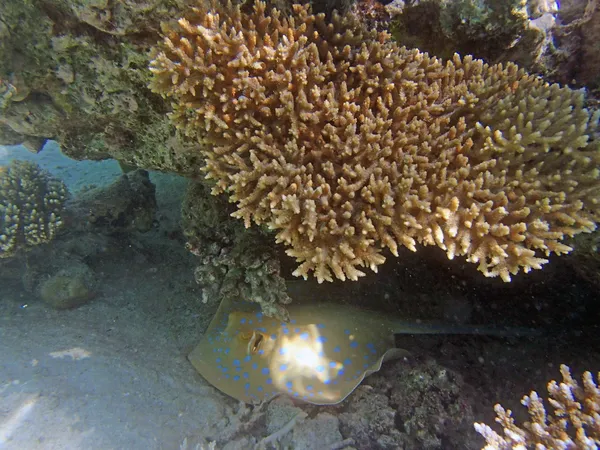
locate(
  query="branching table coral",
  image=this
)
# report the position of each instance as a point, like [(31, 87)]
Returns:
[(347, 144)]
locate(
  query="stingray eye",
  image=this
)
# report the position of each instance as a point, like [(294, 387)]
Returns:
[(245, 335), (255, 343)]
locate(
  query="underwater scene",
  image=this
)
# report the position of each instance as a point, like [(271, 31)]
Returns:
[(293, 224)]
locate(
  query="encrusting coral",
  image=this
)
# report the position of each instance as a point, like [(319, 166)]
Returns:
[(31, 205), (574, 423), (234, 263), (345, 143)]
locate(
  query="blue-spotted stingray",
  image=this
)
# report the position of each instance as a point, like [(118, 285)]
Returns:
[(321, 355)]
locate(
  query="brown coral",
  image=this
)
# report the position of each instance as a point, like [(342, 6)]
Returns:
[(345, 143), (574, 423), (31, 207)]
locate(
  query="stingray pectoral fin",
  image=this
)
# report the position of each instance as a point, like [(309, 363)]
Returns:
[(205, 364), (196, 358), (390, 355)]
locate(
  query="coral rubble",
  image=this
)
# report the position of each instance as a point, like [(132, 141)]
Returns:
[(31, 207), (347, 144)]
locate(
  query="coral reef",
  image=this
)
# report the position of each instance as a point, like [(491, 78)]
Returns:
[(578, 58), (234, 263), (76, 72), (346, 144), (127, 205), (486, 28), (31, 207), (409, 405), (574, 422)]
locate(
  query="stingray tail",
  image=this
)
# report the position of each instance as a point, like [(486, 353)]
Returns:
[(480, 330)]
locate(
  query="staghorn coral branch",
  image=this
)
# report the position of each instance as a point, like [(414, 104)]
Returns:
[(573, 423)]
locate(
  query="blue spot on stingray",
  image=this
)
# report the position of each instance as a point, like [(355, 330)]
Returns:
[(227, 351), (274, 336), (366, 356), (246, 375), (296, 394), (243, 320), (353, 344), (322, 339), (332, 364), (286, 330), (309, 388), (218, 360), (320, 369), (250, 321), (236, 362), (254, 366), (347, 361), (236, 377), (227, 375), (366, 366), (337, 349), (341, 372), (321, 354), (320, 325), (247, 386), (224, 369), (260, 352), (238, 369), (259, 315), (296, 330), (265, 371), (283, 367), (289, 384), (259, 389), (327, 381), (283, 351), (346, 331), (370, 345), (304, 336), (269, 381), (293, 321), (247, 358), (261, 329)]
